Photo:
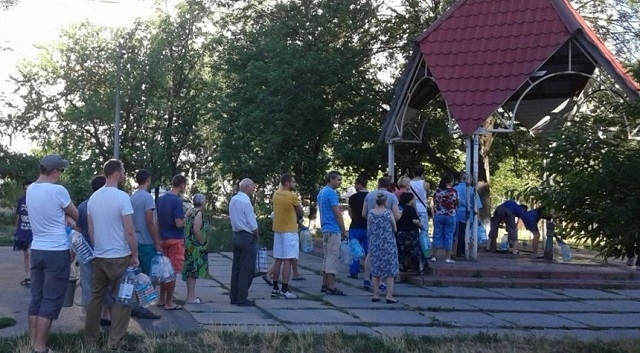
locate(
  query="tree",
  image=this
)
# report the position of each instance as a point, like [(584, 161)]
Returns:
[(301, 92), (68, 95)]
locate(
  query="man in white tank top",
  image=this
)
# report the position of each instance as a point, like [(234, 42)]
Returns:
[(420, 188)]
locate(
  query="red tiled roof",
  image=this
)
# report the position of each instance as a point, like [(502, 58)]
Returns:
[(481, 51)]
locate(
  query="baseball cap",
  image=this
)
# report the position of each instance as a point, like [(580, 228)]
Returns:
[(54, 161)]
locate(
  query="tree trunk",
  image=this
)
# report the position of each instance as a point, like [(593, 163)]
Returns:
[(484, 177)]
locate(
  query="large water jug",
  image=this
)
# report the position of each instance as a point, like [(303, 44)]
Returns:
[(161, 269), (345, 253), (306, 240), (147, 295), (504, 243), (565, 250), (126, 287), (81, 247)]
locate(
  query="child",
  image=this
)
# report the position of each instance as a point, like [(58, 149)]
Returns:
[(23, 235)]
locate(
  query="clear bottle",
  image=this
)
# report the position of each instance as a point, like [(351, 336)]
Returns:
[(81, 247), (126, 287), (147, 295), (156, 268), (306, 240), (504, 243), (565, 250)]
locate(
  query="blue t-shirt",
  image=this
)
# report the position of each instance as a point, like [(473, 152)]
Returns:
[(170, 208), (328, 197), (514, 207), (461, 211), (530, 220), (23, 230)]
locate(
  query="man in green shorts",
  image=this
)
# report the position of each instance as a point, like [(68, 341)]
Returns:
[(146, 231)]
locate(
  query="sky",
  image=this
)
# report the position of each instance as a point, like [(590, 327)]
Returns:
[(33, 22)]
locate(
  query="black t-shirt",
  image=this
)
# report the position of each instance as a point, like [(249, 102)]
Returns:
[(405, 223), (356, 202)]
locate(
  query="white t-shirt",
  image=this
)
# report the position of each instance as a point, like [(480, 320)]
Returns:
[(106, 208), (417, 187), (46, 203)]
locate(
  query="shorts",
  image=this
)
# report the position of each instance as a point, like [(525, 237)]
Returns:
[(19, 245), (174, 250), (331, 246), (146, 253), (286, 245), (50, 272)]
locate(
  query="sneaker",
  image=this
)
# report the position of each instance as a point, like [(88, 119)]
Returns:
[(275, 293), (366, 285), (354, 276), (433, 259), (450, 261), (288, 295)]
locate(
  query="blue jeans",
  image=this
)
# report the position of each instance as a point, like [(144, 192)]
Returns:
[(443, 229), (361, 236)]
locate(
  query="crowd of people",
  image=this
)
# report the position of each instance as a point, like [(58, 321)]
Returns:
[(124, 231), (128, 231)]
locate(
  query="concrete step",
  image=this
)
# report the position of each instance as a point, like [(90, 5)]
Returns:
[(533, 272), (429, 281)]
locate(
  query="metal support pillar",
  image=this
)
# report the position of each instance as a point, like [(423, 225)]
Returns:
[(391, 158), (471, 230)]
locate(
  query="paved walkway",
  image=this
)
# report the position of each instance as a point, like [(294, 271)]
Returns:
[(578, 313)]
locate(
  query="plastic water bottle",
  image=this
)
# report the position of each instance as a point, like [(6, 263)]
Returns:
[(156, 268), (306, 241), (345, 253), (127, 287), (147, 295), (81, 247), (504, 243)]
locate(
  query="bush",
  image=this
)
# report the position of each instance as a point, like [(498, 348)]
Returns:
[(592, 187)]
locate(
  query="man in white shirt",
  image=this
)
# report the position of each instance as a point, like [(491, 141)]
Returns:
[(50, 210), (115, 246), (245, 236)]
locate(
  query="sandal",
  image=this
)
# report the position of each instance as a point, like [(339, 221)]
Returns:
[(25, 282), (177, 307), (335, 291), (195, 301)]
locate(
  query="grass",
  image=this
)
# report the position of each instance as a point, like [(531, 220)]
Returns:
[(7, 322), (6, 234), (235, 341)]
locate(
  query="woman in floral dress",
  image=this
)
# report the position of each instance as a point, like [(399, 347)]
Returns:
[(383, 252), (444, 222), (196, 259)]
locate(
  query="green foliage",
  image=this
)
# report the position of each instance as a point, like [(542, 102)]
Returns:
[(299, 91), (68, 95), (591, 186)]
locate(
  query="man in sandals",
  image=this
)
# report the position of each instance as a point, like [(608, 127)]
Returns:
[(333, 231)]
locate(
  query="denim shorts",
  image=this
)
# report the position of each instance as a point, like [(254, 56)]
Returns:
[(50, 272)]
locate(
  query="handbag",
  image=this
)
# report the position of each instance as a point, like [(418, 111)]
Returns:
[(429, 210)]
